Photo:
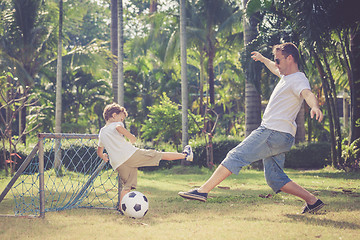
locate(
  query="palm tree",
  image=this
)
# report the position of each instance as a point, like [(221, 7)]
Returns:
[(316, 34), (252, 94), (120, 59), (328, 28), (24, 40), (59, 73), (83, 85), (114, 47), (184, 82), (300, 122), (355, 84), (58, 108), (218, 17), (209, 21)]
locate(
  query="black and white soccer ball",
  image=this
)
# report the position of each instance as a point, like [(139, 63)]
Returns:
[(135, 204)]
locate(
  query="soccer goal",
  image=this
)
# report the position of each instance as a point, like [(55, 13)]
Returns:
[(62, 172)]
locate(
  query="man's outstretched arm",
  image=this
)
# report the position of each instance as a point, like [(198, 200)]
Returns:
[(313, 104), (256, 56)]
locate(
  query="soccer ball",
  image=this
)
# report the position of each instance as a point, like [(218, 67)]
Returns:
[(135, 204)]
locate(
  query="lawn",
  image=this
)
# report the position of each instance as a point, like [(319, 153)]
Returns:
[(242, 207)]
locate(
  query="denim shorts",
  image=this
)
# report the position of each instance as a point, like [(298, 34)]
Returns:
[(268, 145)]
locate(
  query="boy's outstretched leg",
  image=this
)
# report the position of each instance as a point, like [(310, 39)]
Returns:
[(201, 193), (187, 154)]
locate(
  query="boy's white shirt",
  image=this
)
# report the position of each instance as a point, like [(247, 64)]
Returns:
[(285, 103), (117, 147)]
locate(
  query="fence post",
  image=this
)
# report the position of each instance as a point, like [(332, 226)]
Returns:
[(41, 178)]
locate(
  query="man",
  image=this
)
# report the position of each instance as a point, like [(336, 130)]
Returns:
[(276, 134)]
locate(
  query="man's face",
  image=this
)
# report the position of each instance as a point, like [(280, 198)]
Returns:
[(281, 63)]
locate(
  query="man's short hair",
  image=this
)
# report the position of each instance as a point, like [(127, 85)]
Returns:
[(110, 109), (288, 49)]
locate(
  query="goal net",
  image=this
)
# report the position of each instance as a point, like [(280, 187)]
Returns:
[(62, 172)]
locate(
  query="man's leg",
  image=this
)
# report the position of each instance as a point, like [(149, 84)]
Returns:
[(220, 174), (296, 190), (279, 181), (201, 194), (313, 204), (253, 148)]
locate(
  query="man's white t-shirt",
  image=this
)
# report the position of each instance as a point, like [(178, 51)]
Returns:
[(118, 149), (285, 103)]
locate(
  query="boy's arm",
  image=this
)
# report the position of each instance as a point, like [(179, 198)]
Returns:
[(126, 133), (313, 104), (101, 154), (256, 56)]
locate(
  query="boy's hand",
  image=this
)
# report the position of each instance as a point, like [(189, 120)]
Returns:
[(105, 157), (132, 139)]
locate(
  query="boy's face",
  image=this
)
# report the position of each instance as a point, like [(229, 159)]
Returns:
[(119, 117)]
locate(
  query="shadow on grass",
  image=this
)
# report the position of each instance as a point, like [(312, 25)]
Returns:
[(323, 222)]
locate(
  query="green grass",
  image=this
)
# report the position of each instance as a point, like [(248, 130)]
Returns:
[(235, 213)]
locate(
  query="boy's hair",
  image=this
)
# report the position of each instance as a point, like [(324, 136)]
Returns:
[(111, 109), (287, 49)]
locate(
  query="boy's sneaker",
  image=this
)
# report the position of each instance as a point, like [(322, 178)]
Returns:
[(189, 153), (313, 208), (120, 211), (194, 195)]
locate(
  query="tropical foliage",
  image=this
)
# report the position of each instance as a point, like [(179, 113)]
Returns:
[(164, 123), (219, 70)]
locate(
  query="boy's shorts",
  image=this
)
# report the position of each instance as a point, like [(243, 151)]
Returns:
[(141, 158)]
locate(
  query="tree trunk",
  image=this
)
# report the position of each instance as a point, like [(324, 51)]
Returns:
[(184, 81), (252, 108), (114, 48), (252, 95), (310, 125), (201, 90), (300, 122), (330, 109), (210, 68), (58, 111), (355, 84), (120, 43), (22, 123), (335, 115)]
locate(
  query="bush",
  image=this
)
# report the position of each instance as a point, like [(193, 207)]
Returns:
[(351, 155), (71, 157), (164, 123), (221, 146), (19, 161), (309, 156), (306, 156)]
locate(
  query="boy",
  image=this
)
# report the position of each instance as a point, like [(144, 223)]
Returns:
[(124, 157)]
